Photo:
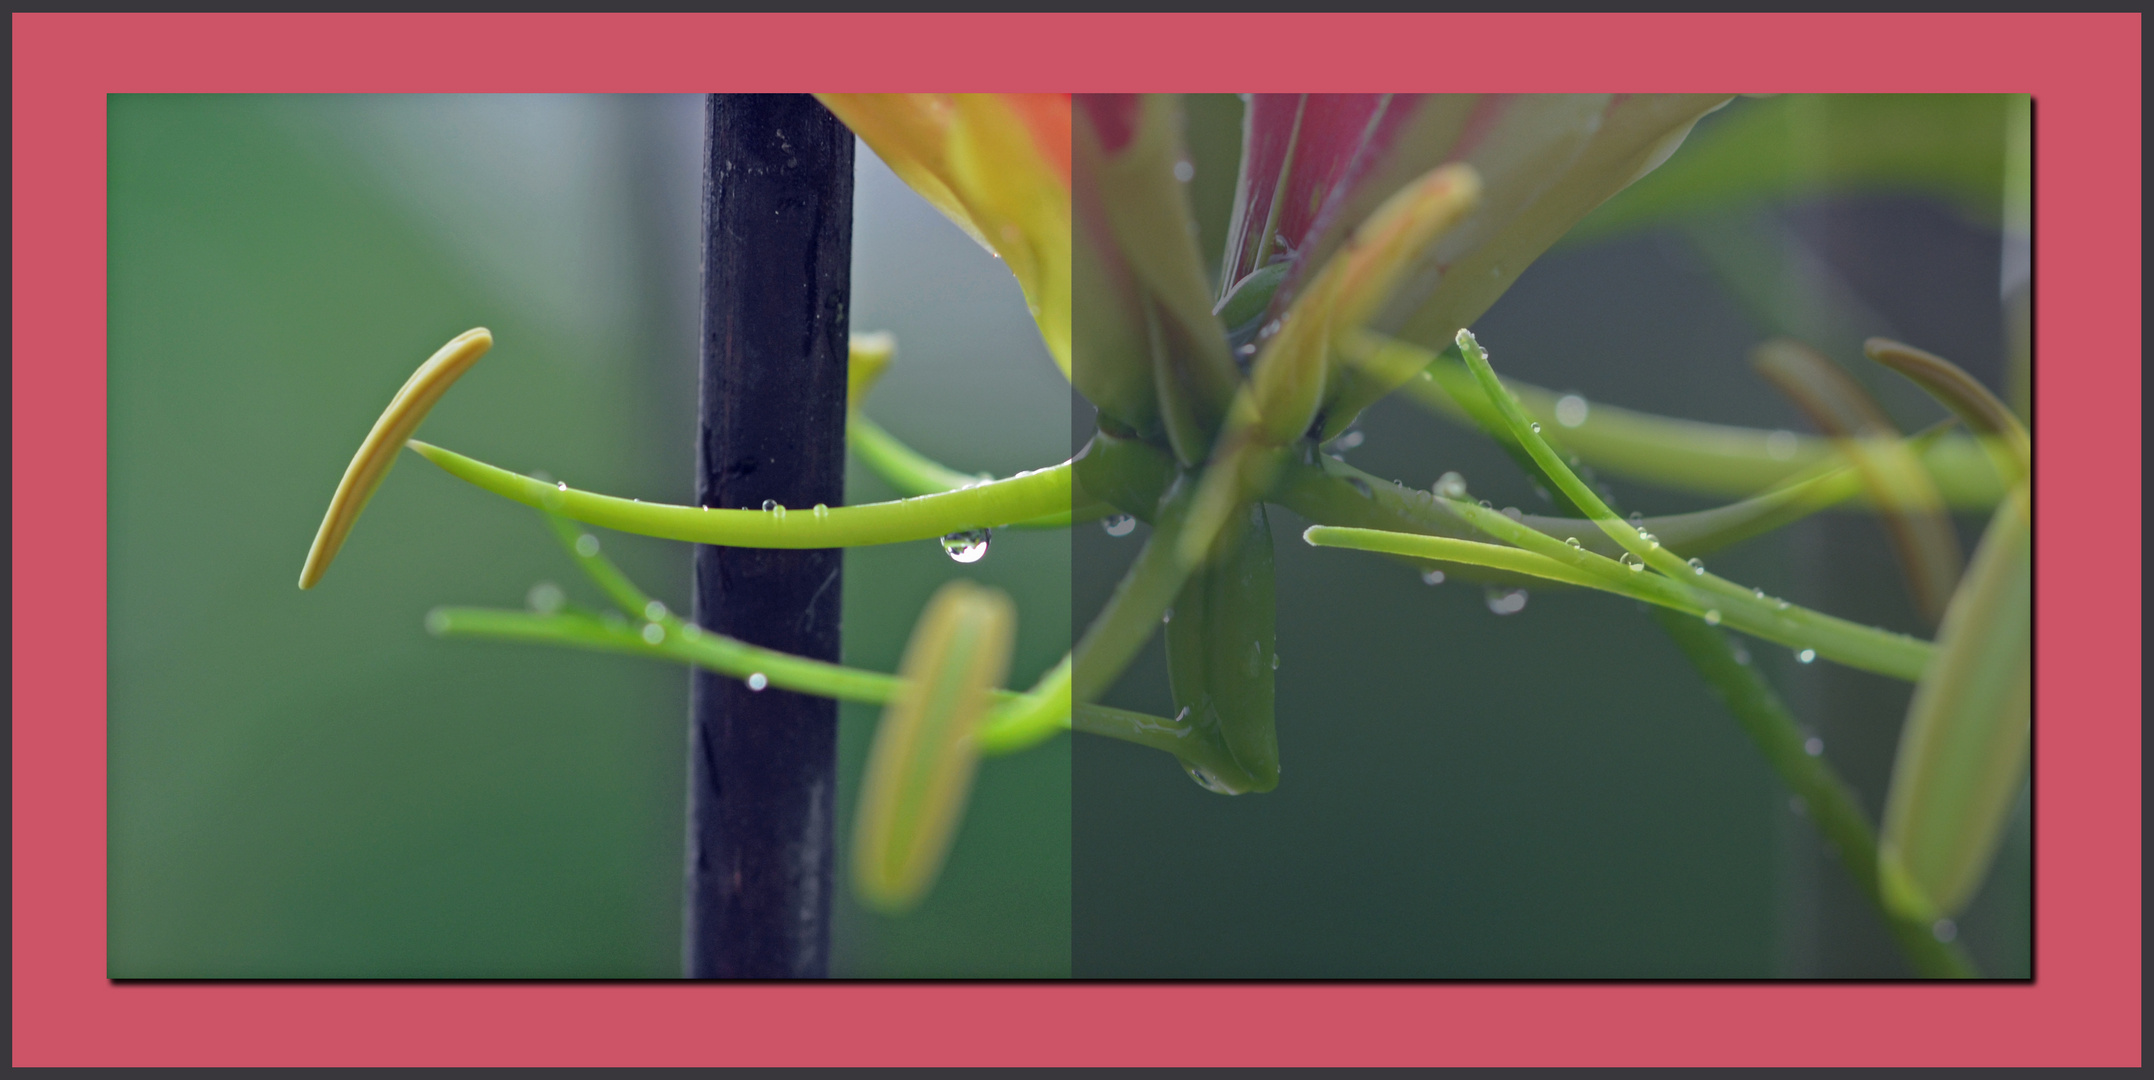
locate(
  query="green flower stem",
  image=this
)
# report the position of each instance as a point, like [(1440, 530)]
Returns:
[(1031, 718), (1023, 497), (1826, 798), (1332, 492), (1641, 544), (913, 473), (1688, 455), (1133, 613), (685, 643), (1537, 555)]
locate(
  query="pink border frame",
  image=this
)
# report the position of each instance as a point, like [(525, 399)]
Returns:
[(2084, 71)]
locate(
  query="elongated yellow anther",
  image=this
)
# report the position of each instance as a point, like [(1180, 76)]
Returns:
[(926, 748), (371, 464)]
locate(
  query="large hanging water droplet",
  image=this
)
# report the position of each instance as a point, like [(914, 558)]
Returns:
[(1506, 601), (1119, 525), (969, 546)]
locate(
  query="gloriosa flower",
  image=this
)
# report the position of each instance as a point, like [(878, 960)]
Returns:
[(996, 164)]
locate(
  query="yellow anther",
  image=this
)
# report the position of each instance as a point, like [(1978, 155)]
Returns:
[(371, 464)]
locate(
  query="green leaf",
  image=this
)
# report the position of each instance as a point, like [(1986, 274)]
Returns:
[(1963, 752), (1221, 642)]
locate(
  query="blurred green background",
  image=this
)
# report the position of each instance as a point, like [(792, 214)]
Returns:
[(1555, 793), (306, 784)]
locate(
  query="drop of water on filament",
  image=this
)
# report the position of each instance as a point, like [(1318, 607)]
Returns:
[(654, 633), (1712, 617), (1806, 656), (1119, 525), (1167, 616), (1636, 564), (1451, 486), (1536, 428), (757, 681), (1506, 601), (1697, 566), (545, 598), (821, 511), (969, 546), (1573, 541)]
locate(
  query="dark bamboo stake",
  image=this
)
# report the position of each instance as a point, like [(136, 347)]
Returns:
[(777, 262)]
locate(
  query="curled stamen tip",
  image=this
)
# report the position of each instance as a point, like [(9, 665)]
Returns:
[(390, 433)]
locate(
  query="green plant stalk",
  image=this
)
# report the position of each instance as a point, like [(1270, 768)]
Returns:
[(1142, 596), (992, 504), (914, 474), (1846, 643), (1689, 455), (1640, 544), (1826, 798)]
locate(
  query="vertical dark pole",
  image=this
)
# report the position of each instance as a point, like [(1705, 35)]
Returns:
[(777, 263)]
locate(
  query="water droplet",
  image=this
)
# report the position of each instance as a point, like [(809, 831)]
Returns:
[(1184, 171), (654, 633), (655, 610), (1207, 781), (545, 598), (1356, 483), (1944, 930), (1813, 746), (1797, 806), (1506, 601), (554, 500), (1806, 656), (1635, 563), (769, 505), (1167, 616), (1486, 505), (1431, 577), (1536, 428), (1514, 513), (1119, 525), (437, 622), (969, 546), (1780, 445), (587, 545), (1637, 517), (1349, 440), (1571, 411), (1246, 350), (562, 486), (1450, 486), (1275, 661), (757, 681), (1573, 541), (821, 511), (1697, 566), (1712, 617), (1780, 605)]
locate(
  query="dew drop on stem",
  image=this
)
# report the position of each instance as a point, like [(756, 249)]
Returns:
[(968, 546), (1506, 601), (757, 681)]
